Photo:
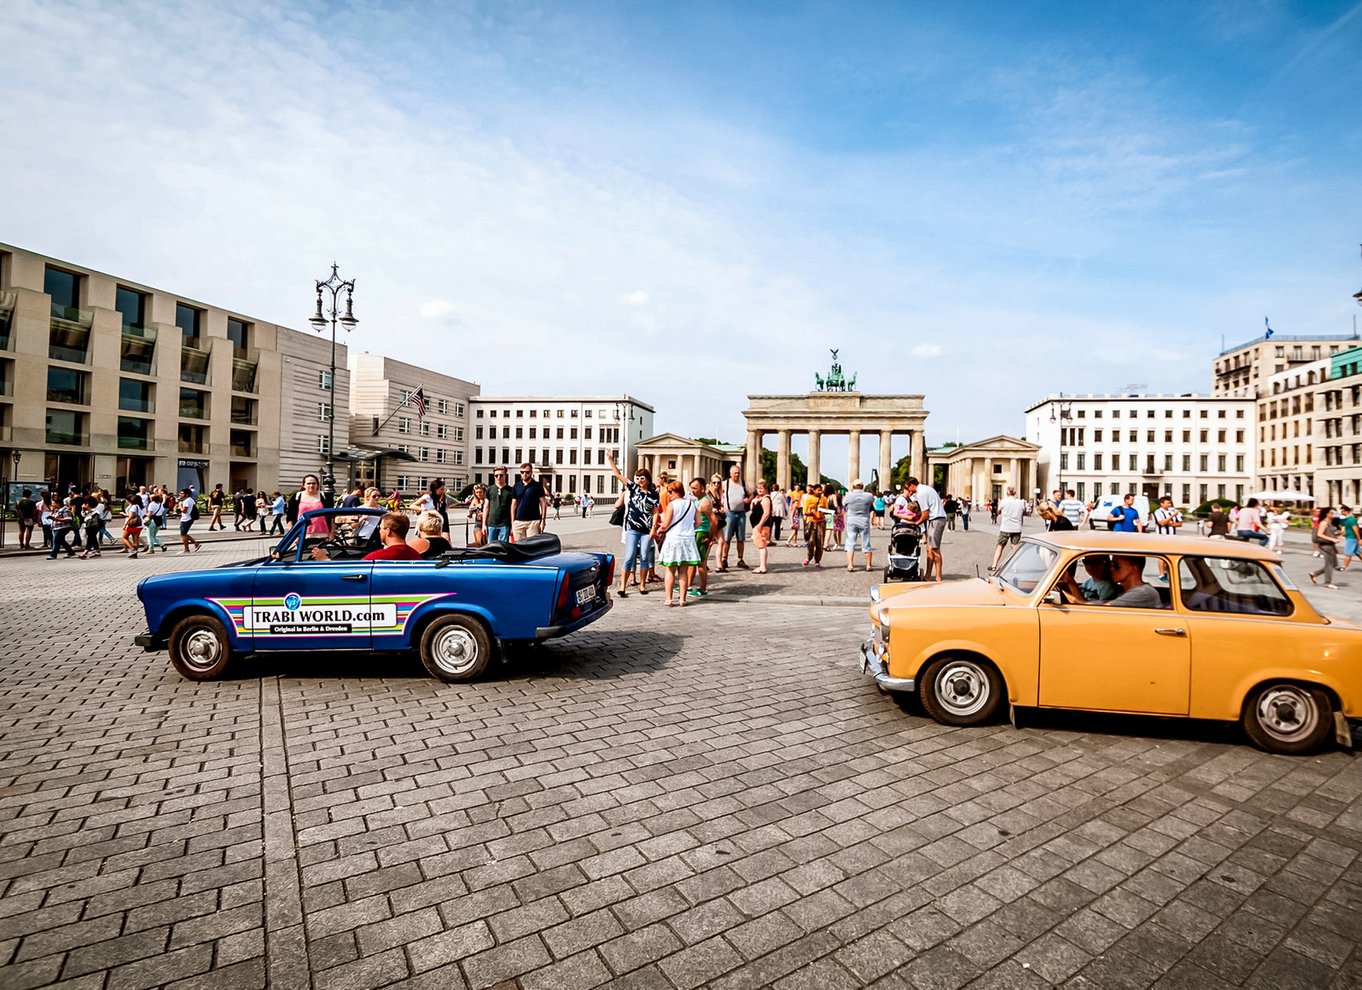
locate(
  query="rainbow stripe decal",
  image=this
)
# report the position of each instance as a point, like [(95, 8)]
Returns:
[(345, 615)]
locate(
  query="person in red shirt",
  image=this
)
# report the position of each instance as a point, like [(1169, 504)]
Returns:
[(392, 530)]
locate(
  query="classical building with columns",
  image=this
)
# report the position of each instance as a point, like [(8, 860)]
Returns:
[(684, 458), (984, 469), (819, 414)]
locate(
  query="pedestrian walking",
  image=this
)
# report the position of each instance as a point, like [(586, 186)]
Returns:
[(189, 512), (1326, 538), (952, 510), (278, 509), (780, 509), (217, 500), (156, 521), (1348, 523), (27, 512), (477, 511), (529, 504), (60, 520), (92, 521), (815, 504), (132, 526), (1009, 513), (964, 513)]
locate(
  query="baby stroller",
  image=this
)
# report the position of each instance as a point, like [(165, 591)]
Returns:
[(905, 541)]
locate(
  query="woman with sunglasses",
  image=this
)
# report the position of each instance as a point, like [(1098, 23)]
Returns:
[(640, 517)]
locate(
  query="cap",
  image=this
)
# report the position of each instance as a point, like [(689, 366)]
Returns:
[(858, 483)]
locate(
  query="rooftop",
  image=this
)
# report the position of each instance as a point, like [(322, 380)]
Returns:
[(1282, 338)]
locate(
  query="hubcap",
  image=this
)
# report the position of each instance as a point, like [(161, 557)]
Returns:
[(962, 688), (1286, 712), (201, 649), (455, 650)]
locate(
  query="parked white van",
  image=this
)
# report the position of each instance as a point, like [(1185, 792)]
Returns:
[(1101, 512)]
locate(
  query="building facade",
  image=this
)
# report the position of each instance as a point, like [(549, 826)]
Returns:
[(1338, 431), (111, 382), (1242, 371), (1192, 447), (1288, 430), (393, 444), (985, 469), (566, 439)]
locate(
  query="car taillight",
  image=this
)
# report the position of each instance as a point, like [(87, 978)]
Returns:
[(609, 572)]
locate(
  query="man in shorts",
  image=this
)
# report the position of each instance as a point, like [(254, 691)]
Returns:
[(1011, 511), (933, 525), (857, 507), (735, 501)]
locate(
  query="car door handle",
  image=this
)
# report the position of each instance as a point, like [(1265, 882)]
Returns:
[(360, 577), (1167, 631)]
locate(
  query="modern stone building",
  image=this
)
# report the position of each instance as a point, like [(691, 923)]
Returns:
[(1193, 447), (108, 381), (393, 444), (1243, 370), (565, 438), (1338, 432)]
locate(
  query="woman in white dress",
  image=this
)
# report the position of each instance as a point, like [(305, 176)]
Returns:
[(1277, 520), (679, 553)]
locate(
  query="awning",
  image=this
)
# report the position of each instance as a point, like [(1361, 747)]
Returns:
[(373, 454)]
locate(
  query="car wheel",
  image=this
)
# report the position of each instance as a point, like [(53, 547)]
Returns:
[(199, 648), (456, 648), (1288, 718), (961, 690)]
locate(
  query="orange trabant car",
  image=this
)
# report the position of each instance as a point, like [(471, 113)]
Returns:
[(1124, 622)]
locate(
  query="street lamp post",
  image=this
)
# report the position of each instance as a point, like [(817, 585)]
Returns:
[(1065, 409), (319, 320)]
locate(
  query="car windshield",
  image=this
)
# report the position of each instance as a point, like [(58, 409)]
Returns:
[(351, 536), (1027, 567)]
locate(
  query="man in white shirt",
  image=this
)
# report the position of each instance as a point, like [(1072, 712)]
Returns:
[(933, 525), (1011, 511), (1072, 509), (735, 501)]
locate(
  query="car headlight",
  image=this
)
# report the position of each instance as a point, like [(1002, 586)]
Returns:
[(875, 594)]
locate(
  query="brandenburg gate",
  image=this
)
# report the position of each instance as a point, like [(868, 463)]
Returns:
[(835, 408)]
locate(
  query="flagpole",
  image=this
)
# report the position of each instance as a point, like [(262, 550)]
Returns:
[(400, 406)]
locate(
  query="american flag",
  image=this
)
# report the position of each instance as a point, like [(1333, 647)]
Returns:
[(418, 399)]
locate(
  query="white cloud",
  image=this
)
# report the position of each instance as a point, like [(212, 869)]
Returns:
[(636, 298), (926, 350), (438, 309)]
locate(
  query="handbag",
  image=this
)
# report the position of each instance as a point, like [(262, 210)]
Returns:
[(617, 517)]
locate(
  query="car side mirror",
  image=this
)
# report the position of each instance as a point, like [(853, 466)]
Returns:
[(1056, 597)]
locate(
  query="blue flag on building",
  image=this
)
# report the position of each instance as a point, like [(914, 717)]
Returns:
[(1268, 335)]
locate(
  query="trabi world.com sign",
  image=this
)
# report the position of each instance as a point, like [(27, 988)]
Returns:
[(328, 616)]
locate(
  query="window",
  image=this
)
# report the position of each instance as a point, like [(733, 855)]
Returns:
[(442, 406), (1096, 436), (441, 432), (404, 426), (1244, 587), (67, 385), (477, 455), (586, 432), (324, 381), (458, 457), (572, 433), (1186, 494), (458, 409), (323, 411), (239, 334), (425, 453), (1205, 463), (135, 396), (425, 428), (439, 456), (560, 433), (65, 427), (458, 434), (134, 433), (1149, 436), (1186, 464), (1096, 463), (1167, 436), (193, 403), (520, 435), (132, 306), (1116, 461), (477, 433), (479, 415), (520, 414), (1238, 438), (64, 288), (323, 446), (1186, 436)]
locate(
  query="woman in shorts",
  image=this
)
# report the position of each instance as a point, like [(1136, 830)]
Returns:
[(761, 532)]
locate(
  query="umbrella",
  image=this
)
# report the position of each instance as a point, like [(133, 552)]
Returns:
[(1281, 495)]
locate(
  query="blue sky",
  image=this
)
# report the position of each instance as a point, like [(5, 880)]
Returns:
[(690, 202)]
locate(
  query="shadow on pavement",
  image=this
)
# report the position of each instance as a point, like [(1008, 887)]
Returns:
[(592, 656)]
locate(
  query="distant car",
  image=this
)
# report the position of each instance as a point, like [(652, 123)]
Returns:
[(457, 610), (1231, 638)]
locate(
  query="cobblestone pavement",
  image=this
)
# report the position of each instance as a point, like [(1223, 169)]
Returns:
[(707, 797)]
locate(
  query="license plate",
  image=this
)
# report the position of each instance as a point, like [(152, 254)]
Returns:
[(585, 595)]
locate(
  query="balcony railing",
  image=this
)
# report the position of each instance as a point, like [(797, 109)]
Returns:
[(193, 410), (242, 450), (245, 366), (138, 349), (193, 446), (194, 361), (136, 443), (128, 403), (67, 439)]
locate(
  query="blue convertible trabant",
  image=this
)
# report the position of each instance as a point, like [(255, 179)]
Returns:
[(316, 592)]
